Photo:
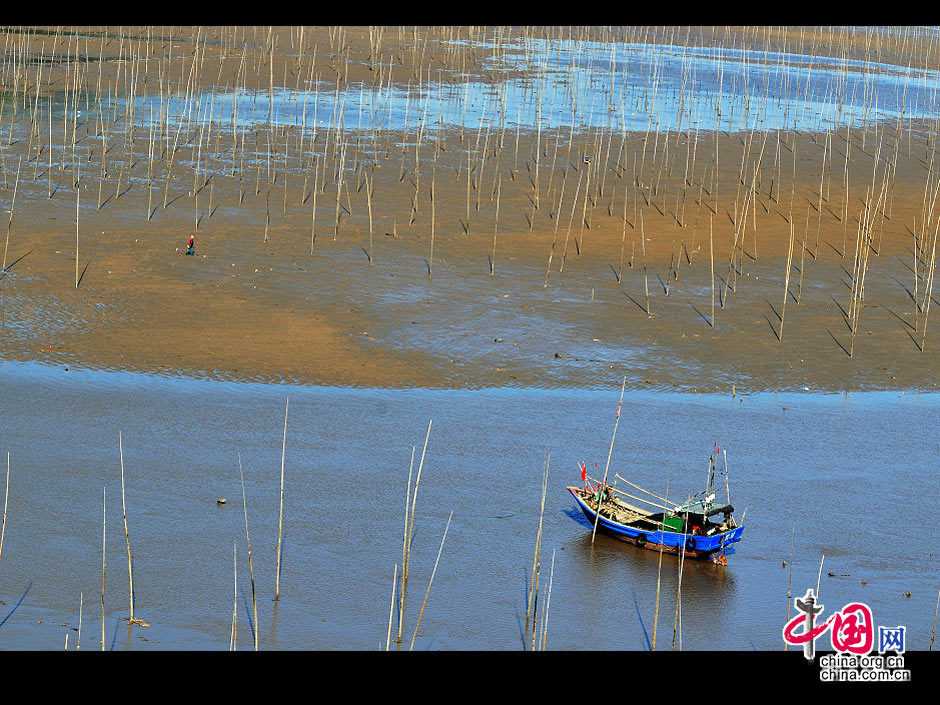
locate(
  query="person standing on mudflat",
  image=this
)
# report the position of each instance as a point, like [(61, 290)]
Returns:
[(191, 245)]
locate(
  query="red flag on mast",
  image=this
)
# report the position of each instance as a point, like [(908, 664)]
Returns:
[(583, 472)]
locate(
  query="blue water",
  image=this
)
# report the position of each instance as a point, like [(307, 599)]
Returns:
[(844, 475), (581, 85)]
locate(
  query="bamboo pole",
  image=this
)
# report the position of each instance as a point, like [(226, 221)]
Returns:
[(786, 283), (574, 203), (532, 594), (677, 622), (251, 563), (623, 234), (799, 294), (6, 499), (711, 256), (369, 199), (928, 289), (499, 188), (933, 627), (104, 579), (280, 513), (579, 243), (405, 546), (822, 559), (127, 541), (786, 645), (391, 609), (77, 200), (313, 207), (233, 638), (610, 452), (543, 640), (409, 531), (659, 573), (12, 207), (427, 593), (431, 252)]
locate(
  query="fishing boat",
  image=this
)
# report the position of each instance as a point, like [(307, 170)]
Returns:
[(700, 528)]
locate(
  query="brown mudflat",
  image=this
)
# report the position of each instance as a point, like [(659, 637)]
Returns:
[(277, 291)]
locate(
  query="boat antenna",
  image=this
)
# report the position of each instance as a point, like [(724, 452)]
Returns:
[(610, 452)]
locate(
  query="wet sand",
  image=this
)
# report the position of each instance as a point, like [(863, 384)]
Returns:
[(246, 308), (255, 303)]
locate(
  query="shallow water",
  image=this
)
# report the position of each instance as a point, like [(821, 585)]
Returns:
[(582, 85), (847, 472)]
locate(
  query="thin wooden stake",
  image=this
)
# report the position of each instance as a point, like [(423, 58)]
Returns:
[(405, 546), (251, 563), (81, 606), (78, 191), (280, 513), (610, 452), (6, 499), (543, 641), (532, 596), (104, 579), (822, 559), (391, 609), (12, 207), (233, 638), (786, 283), (127, 538), (933, 627), (659, 573), (427, 593), (711, 255)]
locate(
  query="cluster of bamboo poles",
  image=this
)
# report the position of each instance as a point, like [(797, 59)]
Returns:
[(133, 619), (535, 634), (199, 118), (152, 123), (535, 630), (255, 628), (400, 579)]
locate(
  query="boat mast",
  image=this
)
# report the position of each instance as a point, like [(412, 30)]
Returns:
[(727, 486), (710, 477), (708, 497), (610, 452)]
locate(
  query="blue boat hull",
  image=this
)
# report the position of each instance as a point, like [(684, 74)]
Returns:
[(696, 546)]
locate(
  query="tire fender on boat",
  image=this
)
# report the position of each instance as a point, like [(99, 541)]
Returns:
[(690, 544), (641, 539)]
